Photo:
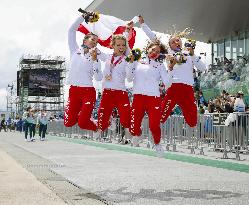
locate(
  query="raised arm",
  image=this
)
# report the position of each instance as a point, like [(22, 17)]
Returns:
[(73, 46), (198, 63), (128, 34), (146, 29)]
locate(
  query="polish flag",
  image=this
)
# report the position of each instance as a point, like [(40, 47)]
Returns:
[(105, 27)]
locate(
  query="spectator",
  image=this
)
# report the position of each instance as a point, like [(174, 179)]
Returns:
[(239, 104), (202, 100), (42, 121), (33, 125), (228, 106), (28, 119), (211, 106), (3, 125), (201, 110), (19, 125), (218, 105), (9, 122)]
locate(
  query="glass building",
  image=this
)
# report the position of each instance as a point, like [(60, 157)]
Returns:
[(232, 47)]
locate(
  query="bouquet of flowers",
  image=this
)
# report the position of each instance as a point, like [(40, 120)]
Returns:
[(180, 58), (91, 17), (136, 53)]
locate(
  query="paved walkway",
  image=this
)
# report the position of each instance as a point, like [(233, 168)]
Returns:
[(124, 175), (18, 186)]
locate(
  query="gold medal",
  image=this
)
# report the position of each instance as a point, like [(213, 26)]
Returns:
[(108, 77)]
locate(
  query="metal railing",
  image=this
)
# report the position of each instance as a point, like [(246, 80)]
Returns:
[(212, 133)]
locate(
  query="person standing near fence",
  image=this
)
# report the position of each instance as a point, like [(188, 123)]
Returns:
[(241, 117), (33, 124), (42, 121), (19, 125), (3, 125), (84, 65), (239, 104), (27, 117), (9, 123)]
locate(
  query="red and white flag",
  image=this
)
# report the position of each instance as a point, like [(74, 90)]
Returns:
[(105, 27)]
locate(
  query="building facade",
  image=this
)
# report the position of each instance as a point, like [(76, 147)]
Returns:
[(231, 47)]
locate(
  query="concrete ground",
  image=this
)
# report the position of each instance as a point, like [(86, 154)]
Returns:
[(18, 186), (123, 175)]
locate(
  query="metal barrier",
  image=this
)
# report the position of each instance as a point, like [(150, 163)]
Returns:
[(214, 132)]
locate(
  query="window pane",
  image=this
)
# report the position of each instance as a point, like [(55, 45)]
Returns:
[(234, 47), (228, 49), (221, 49), (247, 42), (215, 51), (241, 45)]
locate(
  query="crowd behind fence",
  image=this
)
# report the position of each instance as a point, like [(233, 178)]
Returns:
[(215, 131)]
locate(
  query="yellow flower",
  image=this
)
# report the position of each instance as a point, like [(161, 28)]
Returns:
[(94, 18)]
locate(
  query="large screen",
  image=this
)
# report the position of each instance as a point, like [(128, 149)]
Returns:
[(44, 82)]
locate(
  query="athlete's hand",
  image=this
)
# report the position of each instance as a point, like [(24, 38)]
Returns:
[(172, 61), (129, 26), (131, 57), (93, 53), (191, 51), (141, 19)]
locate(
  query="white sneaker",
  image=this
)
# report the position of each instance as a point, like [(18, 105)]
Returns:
[(28, 140), (159, 150), (32, 139), (135, 141)]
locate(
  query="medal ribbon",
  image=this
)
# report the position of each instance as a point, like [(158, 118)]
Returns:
[(113, 64)]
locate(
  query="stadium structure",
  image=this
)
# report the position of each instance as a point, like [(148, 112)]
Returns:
[(224, 24), (40, 81)]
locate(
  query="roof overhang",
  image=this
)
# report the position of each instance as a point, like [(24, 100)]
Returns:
[(211, 19)]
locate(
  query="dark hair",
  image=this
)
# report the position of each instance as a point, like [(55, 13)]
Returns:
[(163, 48), (28, 108)]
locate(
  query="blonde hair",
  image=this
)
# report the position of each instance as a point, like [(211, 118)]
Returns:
[(87, 36), (118, 37), (181, 34)]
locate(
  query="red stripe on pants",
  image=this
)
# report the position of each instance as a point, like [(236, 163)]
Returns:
[(151, 105), (182, 95), (79, 107), (111, 99)]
